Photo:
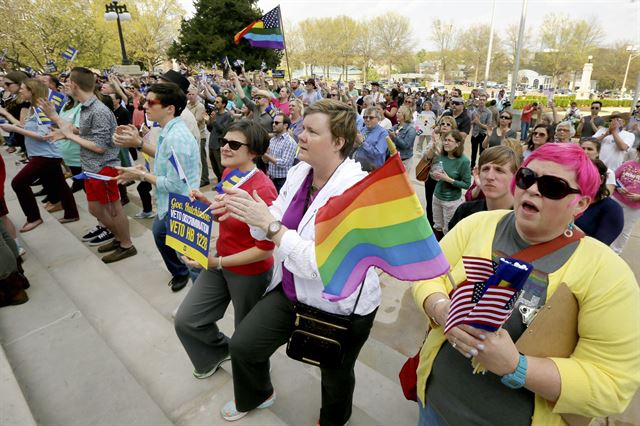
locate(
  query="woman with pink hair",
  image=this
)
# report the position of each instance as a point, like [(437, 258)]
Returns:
[(600, 375)]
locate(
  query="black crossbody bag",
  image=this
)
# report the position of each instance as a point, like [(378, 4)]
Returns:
[(319, 338)]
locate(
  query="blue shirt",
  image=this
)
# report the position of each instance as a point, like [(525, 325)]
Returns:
[(175, 135), (283, 148), (35, 147), (373, 151), (405, 136)]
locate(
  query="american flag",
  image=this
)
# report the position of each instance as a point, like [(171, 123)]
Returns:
[(487, 299), (272, 18), (477, 269), (488, 310)]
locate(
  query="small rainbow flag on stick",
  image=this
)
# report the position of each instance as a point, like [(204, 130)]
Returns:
[(377, 222)]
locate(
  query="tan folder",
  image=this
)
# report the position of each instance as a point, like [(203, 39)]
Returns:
[(554, 333)]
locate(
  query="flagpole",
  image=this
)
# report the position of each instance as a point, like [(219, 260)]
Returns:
[(284, 41)]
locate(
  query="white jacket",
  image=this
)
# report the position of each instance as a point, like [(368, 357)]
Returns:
[(297, 248)]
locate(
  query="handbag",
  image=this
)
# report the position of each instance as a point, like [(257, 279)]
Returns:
[(408, 373), (319, 338), (423, 168)]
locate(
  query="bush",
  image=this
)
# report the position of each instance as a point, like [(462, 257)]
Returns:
[(564, 102)]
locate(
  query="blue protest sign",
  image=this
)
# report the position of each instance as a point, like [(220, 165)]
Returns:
[(189, 229)]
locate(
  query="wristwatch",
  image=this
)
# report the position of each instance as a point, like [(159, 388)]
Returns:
[(516, 379), (273, 228)]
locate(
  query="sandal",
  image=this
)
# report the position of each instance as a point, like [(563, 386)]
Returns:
[(29, 226), (231, 414)]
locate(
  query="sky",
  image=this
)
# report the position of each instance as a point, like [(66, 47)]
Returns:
[(620, 19)]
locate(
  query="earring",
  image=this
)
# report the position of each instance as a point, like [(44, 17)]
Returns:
[(569, 231)]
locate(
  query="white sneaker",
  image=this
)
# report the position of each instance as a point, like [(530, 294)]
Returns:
[(145, 215)]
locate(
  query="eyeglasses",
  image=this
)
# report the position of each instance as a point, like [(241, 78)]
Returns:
[(540, 134), (152, 102), (444, 123), (369, 117), (562, 129), (457, 103), (505, 117), (234, 145), (638, 106), (278, 122), (552, 187)]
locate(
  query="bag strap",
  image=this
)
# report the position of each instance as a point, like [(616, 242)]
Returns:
[(538, 251), (358, 298)]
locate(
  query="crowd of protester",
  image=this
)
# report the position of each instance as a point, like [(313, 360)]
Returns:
[(309, 140)]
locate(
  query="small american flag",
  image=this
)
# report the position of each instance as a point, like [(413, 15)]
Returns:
[(477, 269), (489, 303)]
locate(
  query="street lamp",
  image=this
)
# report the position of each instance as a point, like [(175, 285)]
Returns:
[(118, 12), (633, 53)]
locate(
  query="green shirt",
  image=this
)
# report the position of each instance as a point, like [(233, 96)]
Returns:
[(459, 170), (70, 151)]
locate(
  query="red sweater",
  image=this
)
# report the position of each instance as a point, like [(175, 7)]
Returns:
[(234, 235)]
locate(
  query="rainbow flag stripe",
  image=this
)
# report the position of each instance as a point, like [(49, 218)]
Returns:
[(377, 222), (265, 32)]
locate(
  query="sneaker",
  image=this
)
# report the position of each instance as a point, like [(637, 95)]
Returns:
[(212, 371), (110, 246), (178, 282), (119, 254), (93, 232), (104, 237), (145, 215), (231, 414)]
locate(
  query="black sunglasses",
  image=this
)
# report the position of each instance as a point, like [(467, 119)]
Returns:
[(234, 145), (552, 187), (506, 117), (457, 103)]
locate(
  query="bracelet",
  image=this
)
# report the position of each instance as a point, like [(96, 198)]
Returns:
[(139, 148), (219, 263), (433, 308)]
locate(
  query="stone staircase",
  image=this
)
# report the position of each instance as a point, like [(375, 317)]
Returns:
[(96, 345)]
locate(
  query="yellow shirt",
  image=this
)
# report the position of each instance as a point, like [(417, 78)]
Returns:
[(603, 373)]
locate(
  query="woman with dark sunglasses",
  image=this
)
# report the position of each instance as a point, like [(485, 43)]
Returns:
[(540, 135), (503, 131), (239, 270), (554, 186)]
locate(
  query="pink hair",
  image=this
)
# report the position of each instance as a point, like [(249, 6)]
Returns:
[(572, 157)]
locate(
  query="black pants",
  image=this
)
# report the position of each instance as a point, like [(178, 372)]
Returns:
[(263, 331), (429, 188), (77, 184), (476, 148), (144, 191), (278, 182)]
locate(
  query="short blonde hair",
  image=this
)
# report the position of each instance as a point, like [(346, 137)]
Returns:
[(299, 104), (405, 113), (342, 121)]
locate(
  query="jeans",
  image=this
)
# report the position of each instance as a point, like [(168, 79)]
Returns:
[(524, 130), (169, 255), (427, 416)]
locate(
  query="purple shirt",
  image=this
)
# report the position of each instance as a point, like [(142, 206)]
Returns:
[(291, 219)]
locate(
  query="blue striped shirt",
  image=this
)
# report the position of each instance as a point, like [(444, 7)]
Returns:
[(175, 135)]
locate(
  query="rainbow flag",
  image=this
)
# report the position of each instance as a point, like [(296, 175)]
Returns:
[(265, 32), (377, 222)]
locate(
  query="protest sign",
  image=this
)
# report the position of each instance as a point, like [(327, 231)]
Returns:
[(189, 229)]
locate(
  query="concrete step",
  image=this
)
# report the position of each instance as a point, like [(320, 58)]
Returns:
[(67, 372), (14, 410)]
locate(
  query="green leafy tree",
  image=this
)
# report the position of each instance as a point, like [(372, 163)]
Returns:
[(566, 44), (392, 37), (208, 35)]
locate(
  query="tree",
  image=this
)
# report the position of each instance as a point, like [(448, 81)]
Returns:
[(565, 45), (208, 35), (474, 42), (609, 65), (392, 37), (154, 26), (444, 35), (365, 49)]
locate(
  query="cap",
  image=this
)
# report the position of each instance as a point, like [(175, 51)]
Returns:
[(177, 78)]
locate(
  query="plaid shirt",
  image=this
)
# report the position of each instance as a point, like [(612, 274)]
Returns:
[(175, 134), (283, 148)]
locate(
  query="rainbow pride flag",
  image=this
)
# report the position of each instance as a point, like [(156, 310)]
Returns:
[(266, 32), (377, 222)]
